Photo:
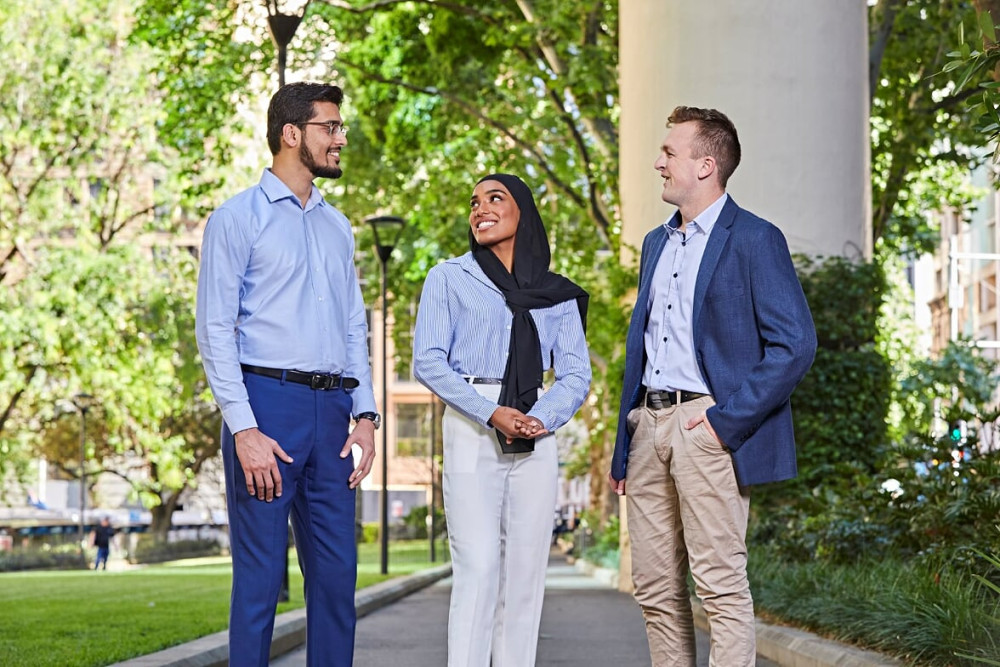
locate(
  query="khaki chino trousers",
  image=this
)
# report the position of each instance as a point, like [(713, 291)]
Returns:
[(687, 512)]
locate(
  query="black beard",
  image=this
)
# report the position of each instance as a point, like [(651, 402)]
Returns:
[(315, 169)]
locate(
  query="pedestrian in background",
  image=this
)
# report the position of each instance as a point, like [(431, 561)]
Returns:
[(490, 323), (720, 336), (282, 333), (101, 538)]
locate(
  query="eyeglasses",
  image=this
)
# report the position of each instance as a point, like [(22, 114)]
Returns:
[(332, 127)]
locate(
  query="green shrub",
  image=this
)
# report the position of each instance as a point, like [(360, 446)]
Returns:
[(416, 522), (841, 433), (865, 490), (910, 609), (47, 557), (148, 549), (598, 545), (841, 405), (990, 588), (369, 533)]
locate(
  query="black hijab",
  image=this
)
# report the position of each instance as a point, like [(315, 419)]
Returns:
[(528, 285)]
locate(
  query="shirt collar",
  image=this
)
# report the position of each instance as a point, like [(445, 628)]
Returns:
[(275, 190), (471, 266), (703, 222)]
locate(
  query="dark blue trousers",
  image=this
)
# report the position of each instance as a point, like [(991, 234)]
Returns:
[(311, 426)]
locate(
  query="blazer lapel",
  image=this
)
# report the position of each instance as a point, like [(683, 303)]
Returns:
[(713, 251), (650, 259)]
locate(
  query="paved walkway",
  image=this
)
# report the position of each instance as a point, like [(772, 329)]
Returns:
[(584, 622)]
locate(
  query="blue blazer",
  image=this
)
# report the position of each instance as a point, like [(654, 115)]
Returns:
[(754, 339)]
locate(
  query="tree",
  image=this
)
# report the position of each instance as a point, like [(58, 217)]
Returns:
[(446, 92), (449, 92), (977, 63), (922, 134), (87, 300)]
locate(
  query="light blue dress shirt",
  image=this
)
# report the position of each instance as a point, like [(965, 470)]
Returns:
[(671, 362), (463, 329), (278, 288)]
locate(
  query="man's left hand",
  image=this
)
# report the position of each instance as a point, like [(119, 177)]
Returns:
[(703, 418), (363, 436)]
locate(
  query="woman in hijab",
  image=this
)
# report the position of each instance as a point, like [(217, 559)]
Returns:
[(490, 323)]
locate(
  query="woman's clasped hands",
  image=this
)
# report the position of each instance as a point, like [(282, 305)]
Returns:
[(515, 424)]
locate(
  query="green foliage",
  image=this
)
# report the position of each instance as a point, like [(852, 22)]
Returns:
[(48, 557), (119, 326), (973, 67), (441, 94), (369, 533), (926, 496), (211, 59), (597, 541), (841, 404), (150, 549), (990, 589), (865, 489), (76, 126), (945, 493), (920, 126), (922, 612), (417, 526), (82, 307)]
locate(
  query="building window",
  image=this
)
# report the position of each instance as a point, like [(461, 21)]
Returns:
[(987, 295), (413, 428), (403, 369)]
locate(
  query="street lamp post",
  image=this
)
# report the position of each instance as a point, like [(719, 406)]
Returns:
[(386, 229), (82, 402), (283, 19), (282, 22)]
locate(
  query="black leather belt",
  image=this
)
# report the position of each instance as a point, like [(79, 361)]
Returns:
[(319, 381), (662, 399), (471, 379)]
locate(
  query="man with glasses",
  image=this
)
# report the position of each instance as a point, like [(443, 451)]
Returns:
[(282, 333)]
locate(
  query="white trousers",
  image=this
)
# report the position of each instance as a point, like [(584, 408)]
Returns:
[(500, 511)]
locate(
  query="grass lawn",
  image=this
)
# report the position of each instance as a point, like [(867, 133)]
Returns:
[(97, 618)]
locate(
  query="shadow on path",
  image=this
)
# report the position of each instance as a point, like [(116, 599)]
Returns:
[(584, 623)]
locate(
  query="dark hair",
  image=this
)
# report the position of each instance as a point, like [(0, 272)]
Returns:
[(716, 137), (293, 103)]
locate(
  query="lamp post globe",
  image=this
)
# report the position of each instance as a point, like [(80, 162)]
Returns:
[(283, 19)]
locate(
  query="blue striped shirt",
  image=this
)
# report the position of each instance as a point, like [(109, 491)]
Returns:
[(463, 329), (277, 287)]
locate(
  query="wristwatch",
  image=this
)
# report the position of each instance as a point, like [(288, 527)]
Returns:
[(373, 417)]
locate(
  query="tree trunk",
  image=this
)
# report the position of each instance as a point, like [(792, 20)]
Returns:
[(162, 513)]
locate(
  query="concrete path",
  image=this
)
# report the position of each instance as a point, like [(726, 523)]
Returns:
[(584, 622)]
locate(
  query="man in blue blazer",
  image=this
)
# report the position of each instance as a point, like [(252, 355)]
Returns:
[(720, 336)]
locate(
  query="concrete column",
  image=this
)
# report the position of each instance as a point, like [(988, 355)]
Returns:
[(792, 76)]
